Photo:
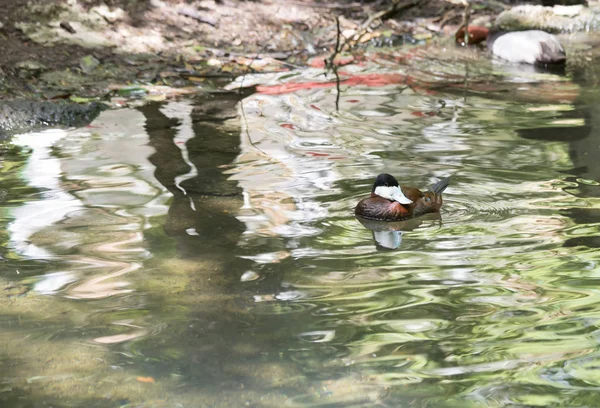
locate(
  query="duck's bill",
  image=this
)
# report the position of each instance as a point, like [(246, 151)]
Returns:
[(392, 193)]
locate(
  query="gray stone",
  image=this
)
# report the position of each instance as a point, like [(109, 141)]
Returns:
[(30, 65), (555, 19), (21, 115)]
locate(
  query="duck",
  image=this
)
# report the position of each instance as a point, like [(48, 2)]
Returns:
[(391, 202), (535, 47)]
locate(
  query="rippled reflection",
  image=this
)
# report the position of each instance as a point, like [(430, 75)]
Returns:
[(206, 253), (478, 305)]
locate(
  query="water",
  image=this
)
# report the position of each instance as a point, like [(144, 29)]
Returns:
[(204, 253)]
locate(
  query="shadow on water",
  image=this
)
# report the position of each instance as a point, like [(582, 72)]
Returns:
[(198, 212), (580, 130), (192, 287), (222, 341)]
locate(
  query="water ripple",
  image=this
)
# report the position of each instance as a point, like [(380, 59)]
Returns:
[(483, 294)]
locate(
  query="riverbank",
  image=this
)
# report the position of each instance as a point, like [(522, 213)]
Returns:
[(113, 50)]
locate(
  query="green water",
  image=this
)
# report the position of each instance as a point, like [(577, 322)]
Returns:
[(204, 253)]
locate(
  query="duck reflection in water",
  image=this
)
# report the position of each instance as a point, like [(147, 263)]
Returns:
[(388, 235)]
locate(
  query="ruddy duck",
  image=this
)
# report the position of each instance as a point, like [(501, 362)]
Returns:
[(391, 202)]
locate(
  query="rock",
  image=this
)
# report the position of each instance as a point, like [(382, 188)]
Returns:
[(567, 11), (29, 68), (65, 25), (213, 62), (561, 2), (66, 80), (249, 276), (51, 33), (112, 16), (43, 24), (88, 63), (30, 65), (20, 115), (552, 19)]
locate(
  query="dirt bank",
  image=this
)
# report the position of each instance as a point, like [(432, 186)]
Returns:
[(93, 49)]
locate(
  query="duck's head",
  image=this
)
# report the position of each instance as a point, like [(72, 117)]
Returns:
[(386, 186)]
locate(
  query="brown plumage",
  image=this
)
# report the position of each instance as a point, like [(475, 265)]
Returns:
[(379, 208)]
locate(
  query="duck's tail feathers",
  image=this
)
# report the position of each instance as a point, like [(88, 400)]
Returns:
[(440, 186)]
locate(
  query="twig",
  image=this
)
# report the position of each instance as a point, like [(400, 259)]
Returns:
[(331, 63), (190, 12), (187, 74), (245, 119), (396, 6), (447, 17), (466, 83), (466, 21), (355, 5), (337, 88)]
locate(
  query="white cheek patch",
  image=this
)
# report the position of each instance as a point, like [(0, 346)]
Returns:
[(392, 193)]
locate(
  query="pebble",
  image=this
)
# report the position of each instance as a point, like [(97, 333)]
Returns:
[(249, 276)]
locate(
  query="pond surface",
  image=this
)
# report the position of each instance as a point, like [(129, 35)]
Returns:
[(204, 253)]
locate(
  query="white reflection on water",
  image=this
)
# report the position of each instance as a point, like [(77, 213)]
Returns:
[(42, 172), (103, 182)]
